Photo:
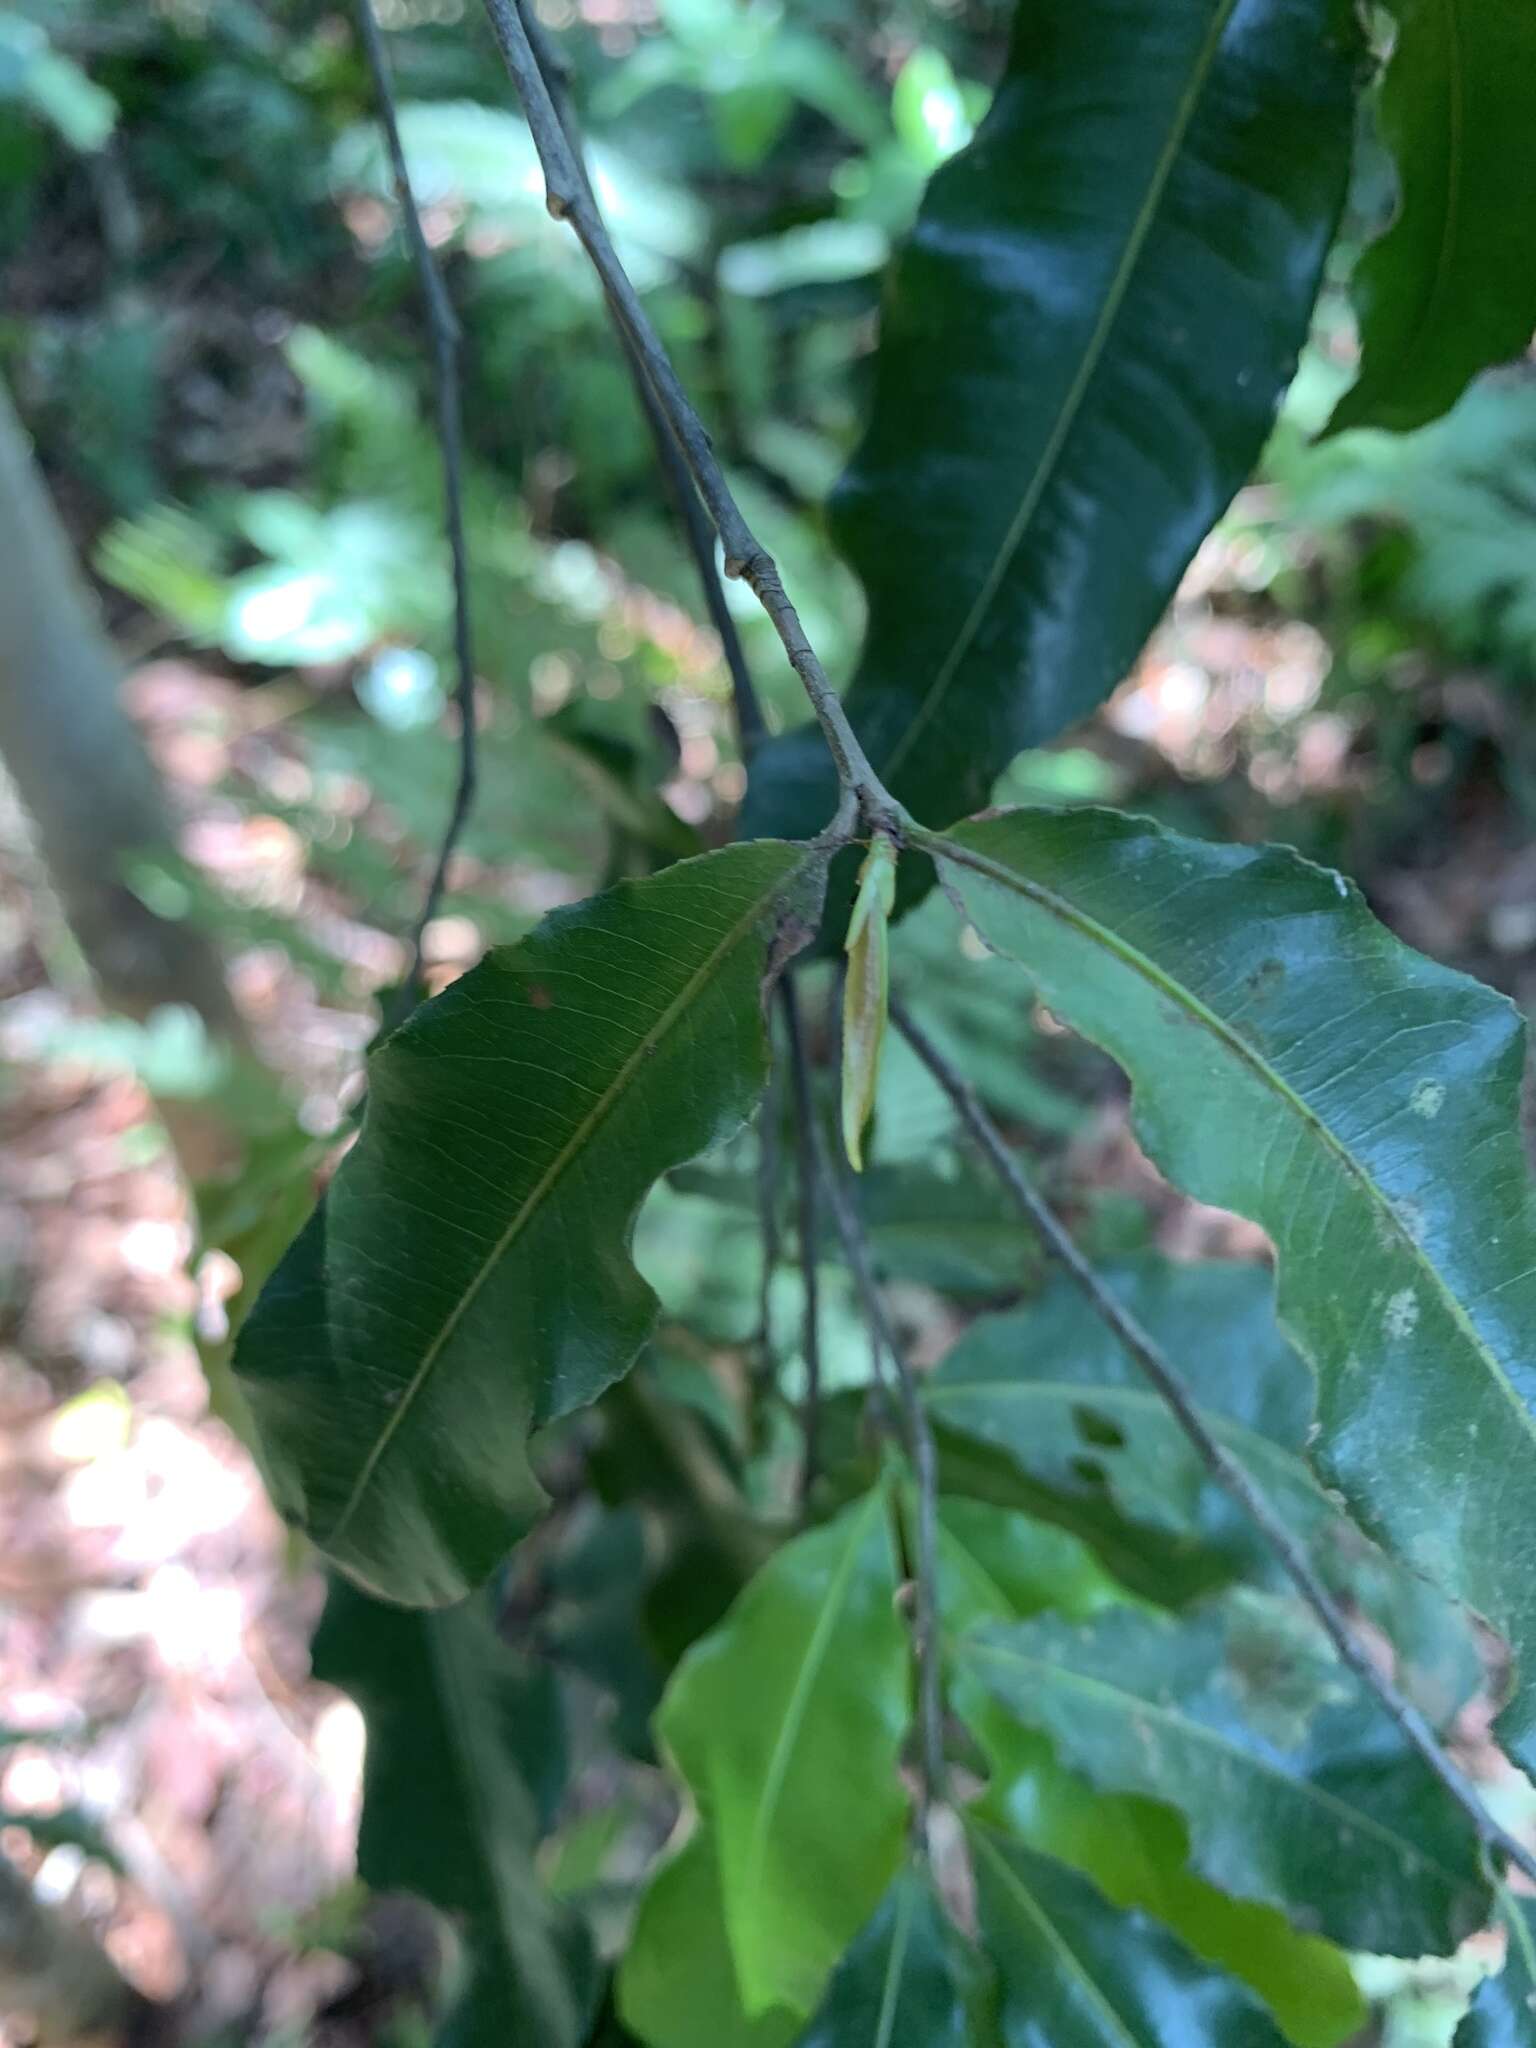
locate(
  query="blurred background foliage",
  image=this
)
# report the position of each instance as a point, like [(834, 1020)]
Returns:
[(211, 329), (209, 325)]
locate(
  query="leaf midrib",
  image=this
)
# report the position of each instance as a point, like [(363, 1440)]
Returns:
[(1185, 999), (1055, 1939), (573, 1145), (458, 1692), (1134, 1705), (1077, 392), (799, 1700), (895, 1964)]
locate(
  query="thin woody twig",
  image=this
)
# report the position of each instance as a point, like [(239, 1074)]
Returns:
[(1213, 1454), (444, 329), (569, 198), (751, 727), (920, 1445)]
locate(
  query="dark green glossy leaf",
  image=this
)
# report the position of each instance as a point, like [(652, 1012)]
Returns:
[(1450, 288), (1082, 348), (469, 1276), (1136, 1851), (1053, 1387), (464, 1746), (677, 1982), (1296, 1789), (906, 1982), (1075, 1973), (787, 1723), (1294, 1062), (1503, 2012)]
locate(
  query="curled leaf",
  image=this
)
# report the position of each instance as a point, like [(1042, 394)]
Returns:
[(866, 992)]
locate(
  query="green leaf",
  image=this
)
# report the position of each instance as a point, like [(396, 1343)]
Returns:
[(1052, 1387), (1074, 1973), (1082, 348), (1503, 2013), (1450, 288), (1050, 1384), (1136, 1851), (1294, 1062), (904, 1983), (953, 1231), (468, 1277), (677, 1982), (1003, 1565), (787, 1723), (1297, 1791), (464, 1746)]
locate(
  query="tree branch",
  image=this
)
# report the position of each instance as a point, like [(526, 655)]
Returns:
[(751, 727), (920, 1445), (569, 199), (444, 330), (1218, 1461)]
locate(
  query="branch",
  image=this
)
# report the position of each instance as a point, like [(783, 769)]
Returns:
[(569, 199), (444, 329), (1218, 1461), (751, 727), (738, 1541), (920, 1446)]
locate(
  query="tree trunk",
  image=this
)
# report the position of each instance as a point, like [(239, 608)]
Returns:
[(78, 764)]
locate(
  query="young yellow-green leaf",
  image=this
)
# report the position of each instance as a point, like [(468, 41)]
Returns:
[(464, 1744), (1000, 1564), (1136, 1851), (1296, 1789), (1503, 2012), (866, 992), (908, 1981), (468, 1276), (1450, 288), (1081, 350), (1296, 1063), (677, 1982), (1075, 1973), (787, 1723)]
